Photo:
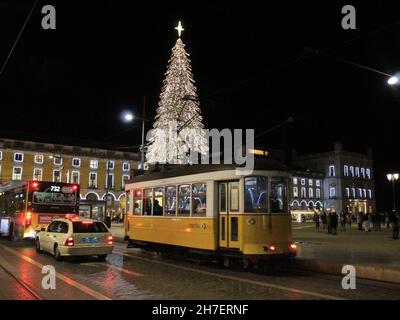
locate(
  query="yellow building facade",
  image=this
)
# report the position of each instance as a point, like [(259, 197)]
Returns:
[(86, 166)]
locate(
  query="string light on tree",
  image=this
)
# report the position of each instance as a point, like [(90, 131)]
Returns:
[(178, 127)]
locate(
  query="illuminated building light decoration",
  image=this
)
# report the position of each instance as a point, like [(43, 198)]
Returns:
[(178, 123)]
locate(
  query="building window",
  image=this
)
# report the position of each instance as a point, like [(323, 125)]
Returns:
[(94, 164), (58, 161), (347, 193), (56, 176), (75, 177), (332, 193), (353, 193), (365, 193), (76, 162), (110, 164), (359, 193), (310, 182), (125, 177), (1, 155), (295, 192), (346, 170), (37, 174), (18, 157), (368, 173), (310, 193), (199, 195), (363, 173), (303, 182), (17, 173), (39, 159), (357, 172), (318, 183), (93, 180), (126, 166), (110, 181), (331, 170), (369, 193), (318, 193), (303, 192), (352, 171), (294, 180)]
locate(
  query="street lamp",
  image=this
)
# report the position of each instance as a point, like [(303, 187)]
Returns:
[(393, 80), (393, 177), (127, 117)]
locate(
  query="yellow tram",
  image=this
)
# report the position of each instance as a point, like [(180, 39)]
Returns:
[(210, 211)]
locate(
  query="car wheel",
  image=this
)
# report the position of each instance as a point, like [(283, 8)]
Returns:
[(102, 257), (57, 254), (37, 245)]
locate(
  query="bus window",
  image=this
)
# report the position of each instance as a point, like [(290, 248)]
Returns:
[(255, 196), (278, 201), (184, 200), (158, 201), (137, 201), (147, 201), (170, 201), (199, 192)]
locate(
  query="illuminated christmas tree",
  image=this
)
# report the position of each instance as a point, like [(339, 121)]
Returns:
[(178, 123)]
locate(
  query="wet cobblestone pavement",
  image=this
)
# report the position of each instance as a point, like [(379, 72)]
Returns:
[(134, 274)]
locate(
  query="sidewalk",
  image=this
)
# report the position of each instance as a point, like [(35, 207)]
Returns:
[(118, 232), (375, 255)]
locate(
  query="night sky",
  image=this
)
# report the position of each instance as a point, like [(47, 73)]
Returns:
[(249, 63)]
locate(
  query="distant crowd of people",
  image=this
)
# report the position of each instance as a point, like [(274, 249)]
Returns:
[(331, 221)]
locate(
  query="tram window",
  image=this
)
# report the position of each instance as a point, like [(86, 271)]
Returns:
[(199, 192), (147, 201), (278, 195), (255, 194), (234, 196), (184, 199), (170, 201), (222, 197), (234, 229), (158, 201), (137, 201)]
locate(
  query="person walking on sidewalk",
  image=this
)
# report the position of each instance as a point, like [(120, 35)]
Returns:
[(324, 220), (342, 219), (316, 220), (395, 225), (334, 222), (329, 222), (349, 218), (360, 217)]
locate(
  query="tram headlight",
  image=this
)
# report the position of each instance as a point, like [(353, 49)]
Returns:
[(251, 221)]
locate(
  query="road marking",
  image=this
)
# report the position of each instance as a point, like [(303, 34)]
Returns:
[(60, 276), (109, 264), (259, 283)]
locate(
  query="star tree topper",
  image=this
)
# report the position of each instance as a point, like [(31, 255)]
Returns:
[(179, 28)]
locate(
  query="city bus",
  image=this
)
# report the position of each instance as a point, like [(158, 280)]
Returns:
[(27, 206)]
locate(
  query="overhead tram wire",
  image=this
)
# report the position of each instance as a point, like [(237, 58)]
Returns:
[(19, 35)]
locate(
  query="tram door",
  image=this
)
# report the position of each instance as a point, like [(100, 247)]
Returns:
[(228, 202)]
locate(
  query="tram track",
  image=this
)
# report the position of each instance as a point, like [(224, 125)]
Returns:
[(35, 295)]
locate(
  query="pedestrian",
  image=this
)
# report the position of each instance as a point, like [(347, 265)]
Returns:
[(316, 220), (395, 225), (387, 219), (329, 222), (367, 222), (349, 218), (343, 221), (334, 222), (360, 217), (324, 220)]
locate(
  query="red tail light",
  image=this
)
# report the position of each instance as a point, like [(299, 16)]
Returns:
[(28, 218), (75, 187), (110, 240), (69, 242), (34, 185)]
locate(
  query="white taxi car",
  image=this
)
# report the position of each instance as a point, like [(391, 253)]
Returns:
[(75, 237)]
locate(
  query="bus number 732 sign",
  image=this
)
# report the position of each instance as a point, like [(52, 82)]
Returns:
[(55, 189)]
